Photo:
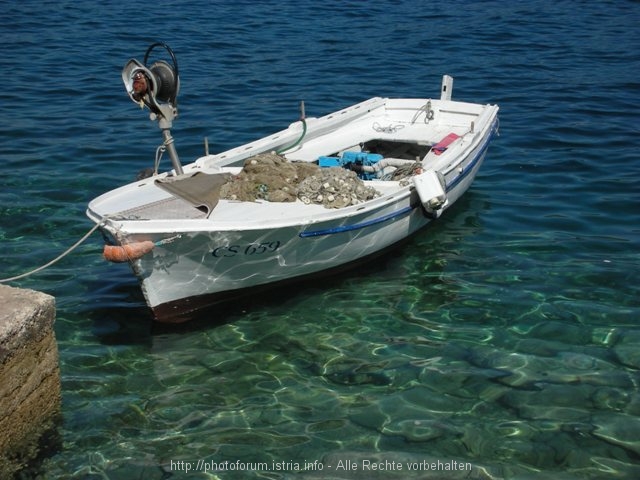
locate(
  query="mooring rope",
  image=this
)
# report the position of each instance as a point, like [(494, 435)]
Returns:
[(57, 259)]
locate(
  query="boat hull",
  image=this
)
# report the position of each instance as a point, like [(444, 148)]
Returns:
[(201, 258), (203, 268)]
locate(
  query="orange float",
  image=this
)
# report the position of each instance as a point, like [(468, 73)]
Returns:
[(127, 252)]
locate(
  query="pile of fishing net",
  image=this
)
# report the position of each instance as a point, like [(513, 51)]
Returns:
[(271, 177)]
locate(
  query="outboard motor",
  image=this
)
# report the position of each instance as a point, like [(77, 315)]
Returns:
[(156, 87)]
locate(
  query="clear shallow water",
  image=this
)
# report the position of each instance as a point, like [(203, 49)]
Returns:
[(504, 336)]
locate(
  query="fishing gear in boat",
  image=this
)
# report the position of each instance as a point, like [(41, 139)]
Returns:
[(127, 252), (130, 251), (156, 87)]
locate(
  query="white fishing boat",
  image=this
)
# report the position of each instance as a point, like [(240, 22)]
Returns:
[(356, 182)]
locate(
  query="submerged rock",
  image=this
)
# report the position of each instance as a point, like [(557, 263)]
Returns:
[(618, 429), (627, 349)]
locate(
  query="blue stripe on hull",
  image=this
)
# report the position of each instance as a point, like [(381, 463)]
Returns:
[(356, 226)]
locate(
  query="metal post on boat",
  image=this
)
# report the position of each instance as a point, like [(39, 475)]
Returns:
[(447, 87), (171, 148), (165, 118)]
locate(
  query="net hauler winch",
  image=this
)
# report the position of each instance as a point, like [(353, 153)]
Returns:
[(156, 87)]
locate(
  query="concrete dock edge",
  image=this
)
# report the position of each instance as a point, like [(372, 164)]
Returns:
[(29, 375)]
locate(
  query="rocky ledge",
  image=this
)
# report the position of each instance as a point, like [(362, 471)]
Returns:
[(29, 375)]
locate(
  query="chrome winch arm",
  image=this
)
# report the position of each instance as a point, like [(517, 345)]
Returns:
[(156, 86)]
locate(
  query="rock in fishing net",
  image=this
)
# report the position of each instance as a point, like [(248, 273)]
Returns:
[(272, 177)]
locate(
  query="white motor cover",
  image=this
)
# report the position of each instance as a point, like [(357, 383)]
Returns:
[(430, 186)]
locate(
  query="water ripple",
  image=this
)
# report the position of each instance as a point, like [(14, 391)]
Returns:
[(504, 336)]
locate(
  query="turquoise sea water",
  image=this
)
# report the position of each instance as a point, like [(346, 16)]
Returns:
[(504, 338)]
